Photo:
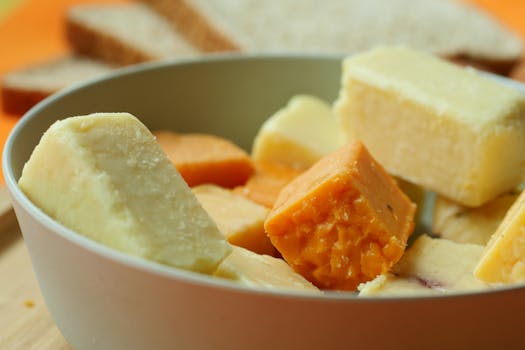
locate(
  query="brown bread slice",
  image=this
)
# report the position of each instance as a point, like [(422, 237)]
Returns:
[(123, 34), (23, 88), (445, 27)]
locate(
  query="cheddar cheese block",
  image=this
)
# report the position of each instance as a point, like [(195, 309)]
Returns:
[(254, 270), (240, 220), (430, 266), (343, 221), (299, 134), (104, 176), (202, 158), (437, 125), (264, 186), (470, 225), (503, 260)]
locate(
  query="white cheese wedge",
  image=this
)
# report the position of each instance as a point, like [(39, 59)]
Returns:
[(105, 177), (503, 260), (432, 123), (441, 264), (390, 285), (299, 134), (240, 220), (430, 266), (462, 224), (263, 271)]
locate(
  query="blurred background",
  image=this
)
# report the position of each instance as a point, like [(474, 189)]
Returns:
[(48, 45)]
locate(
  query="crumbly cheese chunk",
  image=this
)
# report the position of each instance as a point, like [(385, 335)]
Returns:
[(105, 177), (299, 134), (435, 124), (255, 270), (503, 260)]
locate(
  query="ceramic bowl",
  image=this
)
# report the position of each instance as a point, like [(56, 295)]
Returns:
[(103, 299)]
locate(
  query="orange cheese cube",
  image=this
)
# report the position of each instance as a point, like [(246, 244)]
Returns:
[(202, 158), (343, 221), (267, 182)]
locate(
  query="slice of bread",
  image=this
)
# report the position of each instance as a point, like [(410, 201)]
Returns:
[(23, 88), (123, 34), (448, 28)]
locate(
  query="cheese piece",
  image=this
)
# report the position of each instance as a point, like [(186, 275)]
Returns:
[(429, 267), (343, 221), (263, 271), (503, 260), (389, 285), (441, 264), (299, 134), (240, 220), (470, 225), (432, 123), (203, 158), (104, 176), (267, 182)]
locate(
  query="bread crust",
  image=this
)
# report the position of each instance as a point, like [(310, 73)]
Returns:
[(17, 101), (498, 67), (193, 26), (89, 42)]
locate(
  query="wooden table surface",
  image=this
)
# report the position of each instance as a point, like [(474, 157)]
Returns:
[(25, 323)]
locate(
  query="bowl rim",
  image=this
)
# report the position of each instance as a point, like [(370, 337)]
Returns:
[(173, 273)]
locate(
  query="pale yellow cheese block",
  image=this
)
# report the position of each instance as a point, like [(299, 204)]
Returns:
[(432, 123), (105, 177), (462, 224), (299, 134), (440, 265), (503, 260), (390, 285), (262, 271), (240, 220)]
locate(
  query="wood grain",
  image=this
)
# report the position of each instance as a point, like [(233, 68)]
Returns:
[(25, 323)]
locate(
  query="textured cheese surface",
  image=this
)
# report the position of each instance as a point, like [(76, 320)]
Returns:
[(441, 264), (435, 124), (254, 270), (299, 134), (504, 257), (239, 219), (105, 177)]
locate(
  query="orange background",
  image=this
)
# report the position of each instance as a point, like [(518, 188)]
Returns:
[(33, 31)]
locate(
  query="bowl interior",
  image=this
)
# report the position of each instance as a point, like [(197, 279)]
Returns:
[(223, 95)]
